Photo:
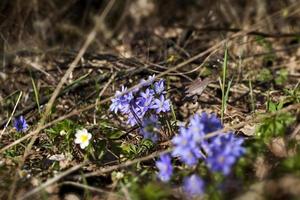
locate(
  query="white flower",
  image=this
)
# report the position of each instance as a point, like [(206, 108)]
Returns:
[(83, 138), (119, 175), (63, 132), (57, 157)]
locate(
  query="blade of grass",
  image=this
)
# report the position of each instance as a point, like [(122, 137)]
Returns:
[(251, 96), (227, 92), (223, 83), (36, 94)]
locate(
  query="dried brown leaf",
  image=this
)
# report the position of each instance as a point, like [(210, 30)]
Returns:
[(197, 87), (278, 147)]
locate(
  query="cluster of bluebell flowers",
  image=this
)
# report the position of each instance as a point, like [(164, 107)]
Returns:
[(219, 152), (143, 105)]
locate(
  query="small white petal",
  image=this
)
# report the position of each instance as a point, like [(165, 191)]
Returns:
[(89, 136), (77, 141)]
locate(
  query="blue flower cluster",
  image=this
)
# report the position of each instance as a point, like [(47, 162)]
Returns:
[(224, 152), (219, 152), (143, 105)]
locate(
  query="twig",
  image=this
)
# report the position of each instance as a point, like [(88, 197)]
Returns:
[(53, 180), (91, 188), (12, 114), (101, 93), (234, 30)]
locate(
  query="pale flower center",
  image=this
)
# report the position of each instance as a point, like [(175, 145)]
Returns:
[(221, 159)]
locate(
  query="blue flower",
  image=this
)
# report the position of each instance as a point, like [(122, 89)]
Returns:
[(149, 127), (150, 79), (121, 102), (186, 148), (20, 124), (145, 100), (196, 127), (193, 185), (224, 152), (219, 152), (165, 167), (211, 123), (159, 87), (134, 116), (161, 104)]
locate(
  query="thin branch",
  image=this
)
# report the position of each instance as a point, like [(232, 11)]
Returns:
[(12, 114)]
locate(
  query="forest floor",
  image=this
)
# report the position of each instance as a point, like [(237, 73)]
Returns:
[(248, 76)]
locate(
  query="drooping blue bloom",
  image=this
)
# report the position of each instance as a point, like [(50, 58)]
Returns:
[(165, 167), (224, 152), (20, 124), (159, 87), (193, 185), (149, 128), (186, 148), (161, 104)]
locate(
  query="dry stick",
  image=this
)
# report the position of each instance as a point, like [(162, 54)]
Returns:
[(86, 44), (53, 180), (91, 188), (104, 170), (295, 132), (257, 33), (101, 93), (12, 114), (101, 171)]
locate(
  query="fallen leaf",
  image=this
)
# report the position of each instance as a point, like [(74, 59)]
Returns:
[(278, 147), (248, 130), (262, 168), (197, 87)]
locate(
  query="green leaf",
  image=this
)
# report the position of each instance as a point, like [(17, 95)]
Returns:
[(274, 126)]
